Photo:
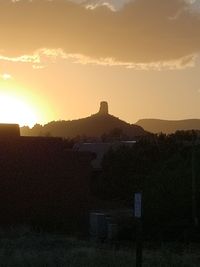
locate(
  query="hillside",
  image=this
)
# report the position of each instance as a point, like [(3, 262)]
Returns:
[(93, 126), (168, 126)]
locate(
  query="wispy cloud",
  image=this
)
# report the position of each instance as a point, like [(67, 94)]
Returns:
[(182, 63), (43, 57), (113, 5), (6, 76), (35, 58)]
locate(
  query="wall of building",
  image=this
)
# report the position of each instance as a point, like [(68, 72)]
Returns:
[(43, 183)]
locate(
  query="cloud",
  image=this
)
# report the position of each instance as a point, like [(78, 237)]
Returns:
[(113, 5), (43, 57), (141, 33), (35, 58), (6, 76)]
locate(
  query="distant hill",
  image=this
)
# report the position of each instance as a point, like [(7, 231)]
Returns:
[(168, 126), (96, 125)]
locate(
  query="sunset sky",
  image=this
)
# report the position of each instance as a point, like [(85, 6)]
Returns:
[(60, 58)]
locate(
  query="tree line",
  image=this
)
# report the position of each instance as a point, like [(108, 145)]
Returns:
[(165, 168)]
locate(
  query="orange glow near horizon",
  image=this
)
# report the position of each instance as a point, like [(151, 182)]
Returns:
[(14, 109), (23, 104)]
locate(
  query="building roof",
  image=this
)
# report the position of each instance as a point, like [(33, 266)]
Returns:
[(100, 149)]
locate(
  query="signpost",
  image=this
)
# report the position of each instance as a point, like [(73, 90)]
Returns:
[(138, 216), (138, 205)]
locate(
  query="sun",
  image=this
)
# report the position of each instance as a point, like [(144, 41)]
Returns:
[(14, 109)]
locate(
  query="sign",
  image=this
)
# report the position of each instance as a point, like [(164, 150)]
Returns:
[(138, 205)]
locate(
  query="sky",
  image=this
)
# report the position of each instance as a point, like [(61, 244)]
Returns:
[(60, 58)]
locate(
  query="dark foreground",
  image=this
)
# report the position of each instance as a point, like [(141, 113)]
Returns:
[(22, 247)]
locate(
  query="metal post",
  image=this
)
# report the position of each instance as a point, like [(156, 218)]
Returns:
[(139, 239), (194, 200), (139, 244)]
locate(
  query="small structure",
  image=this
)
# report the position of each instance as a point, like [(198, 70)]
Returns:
[(108, 225), (9, 130), (100, 149)]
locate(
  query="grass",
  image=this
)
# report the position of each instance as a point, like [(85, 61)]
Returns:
[(22, 247)]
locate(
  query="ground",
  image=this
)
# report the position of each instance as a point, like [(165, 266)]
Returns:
[(21, 247)]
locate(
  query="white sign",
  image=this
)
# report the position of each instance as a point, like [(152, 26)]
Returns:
[(138, 205)]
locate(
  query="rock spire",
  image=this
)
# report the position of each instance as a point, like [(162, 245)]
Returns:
[(103, 108)]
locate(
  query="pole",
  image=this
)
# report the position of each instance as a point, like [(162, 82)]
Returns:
[(194, 201), (139, 244), (139, 239)]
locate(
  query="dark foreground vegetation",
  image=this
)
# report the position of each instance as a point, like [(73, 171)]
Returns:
[(53, 189), (166, 169), (20, 247)]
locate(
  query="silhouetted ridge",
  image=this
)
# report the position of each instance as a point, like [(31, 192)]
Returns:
[(94, 126), (169, 126)]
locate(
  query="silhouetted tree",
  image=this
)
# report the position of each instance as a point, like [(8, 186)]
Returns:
[(160, 167)]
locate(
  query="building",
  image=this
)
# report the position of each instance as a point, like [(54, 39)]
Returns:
[(41, 181), (99, 150)]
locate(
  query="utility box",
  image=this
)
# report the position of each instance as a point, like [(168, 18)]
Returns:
[(98, 226)]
